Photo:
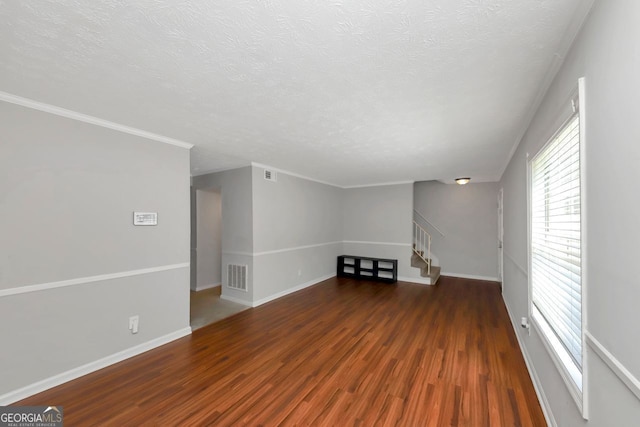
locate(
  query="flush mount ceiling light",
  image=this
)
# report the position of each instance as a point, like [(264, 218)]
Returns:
[(462, 181)]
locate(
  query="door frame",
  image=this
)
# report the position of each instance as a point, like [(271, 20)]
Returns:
[(501, 237)]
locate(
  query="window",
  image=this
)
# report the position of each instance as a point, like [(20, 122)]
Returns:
[(556, 249)]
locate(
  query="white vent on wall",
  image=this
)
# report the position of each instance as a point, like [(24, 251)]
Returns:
[(237, 276), (270, 175)]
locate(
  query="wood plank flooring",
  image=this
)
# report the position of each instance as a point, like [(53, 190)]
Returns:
[(340, 353)]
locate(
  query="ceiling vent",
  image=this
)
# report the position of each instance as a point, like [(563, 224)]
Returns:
[(270, 175)]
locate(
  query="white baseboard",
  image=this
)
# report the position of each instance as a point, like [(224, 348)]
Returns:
[(236, 300), (537, 385), (292, 290), (203, 287), (418, 280), (470, 276), (72, 374)]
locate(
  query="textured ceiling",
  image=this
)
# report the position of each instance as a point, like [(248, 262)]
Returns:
[(349, 92)]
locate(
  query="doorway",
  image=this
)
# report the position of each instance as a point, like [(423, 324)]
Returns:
[(206, 260), (207, 243), (501, 238)]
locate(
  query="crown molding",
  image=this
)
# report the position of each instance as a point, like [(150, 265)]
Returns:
[(74, 115), (224, 169), (286, 172), (568, 39)]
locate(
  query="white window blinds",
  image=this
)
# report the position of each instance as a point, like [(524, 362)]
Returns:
[(555, 237)]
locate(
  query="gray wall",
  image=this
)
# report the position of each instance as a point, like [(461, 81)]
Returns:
[(288, 232), (606, 54), (67, 194), (292, 230), (377, 223), (297, 227), (467, 215), (235, 187), (209, 239)]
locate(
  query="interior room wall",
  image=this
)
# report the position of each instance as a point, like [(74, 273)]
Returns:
[(209, 239), (467, 215), (377, 222), (297, 233), (73, 267), (606, 54)]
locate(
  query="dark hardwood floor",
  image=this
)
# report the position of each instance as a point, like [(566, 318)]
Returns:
[(339, 353)]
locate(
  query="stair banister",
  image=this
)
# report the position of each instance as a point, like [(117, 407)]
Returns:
[(428, 222), (422, 244)]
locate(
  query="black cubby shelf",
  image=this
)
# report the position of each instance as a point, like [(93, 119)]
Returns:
[(359, 267)]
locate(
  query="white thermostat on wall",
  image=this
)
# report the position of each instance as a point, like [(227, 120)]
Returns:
[(145, 218)]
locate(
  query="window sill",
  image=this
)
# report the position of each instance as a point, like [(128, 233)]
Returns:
[(569, 372)]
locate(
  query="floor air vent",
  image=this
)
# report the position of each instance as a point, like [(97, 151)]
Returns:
[(270, 175), (237, 276)]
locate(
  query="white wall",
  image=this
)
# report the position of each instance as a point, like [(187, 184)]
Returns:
[(209, 238), (467, 215), (297, 227), (378, 223), (237, 223), (68, 191), (606, 53)]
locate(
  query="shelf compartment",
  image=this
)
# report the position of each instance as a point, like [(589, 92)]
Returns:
[(378, 269)]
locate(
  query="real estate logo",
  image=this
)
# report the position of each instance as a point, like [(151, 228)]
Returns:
[(31, 416)]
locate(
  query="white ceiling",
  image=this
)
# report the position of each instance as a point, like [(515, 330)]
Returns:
[(348, 92)]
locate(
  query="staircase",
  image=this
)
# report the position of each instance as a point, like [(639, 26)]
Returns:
[(421, 257), (418, 262)]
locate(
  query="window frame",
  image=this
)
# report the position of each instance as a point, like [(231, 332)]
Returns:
[(557, 352)]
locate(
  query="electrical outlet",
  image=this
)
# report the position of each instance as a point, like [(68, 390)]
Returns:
[(299, 272), (524, 322), (133, 324)]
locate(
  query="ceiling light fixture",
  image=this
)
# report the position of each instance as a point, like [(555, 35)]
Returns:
[(462, 181)]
